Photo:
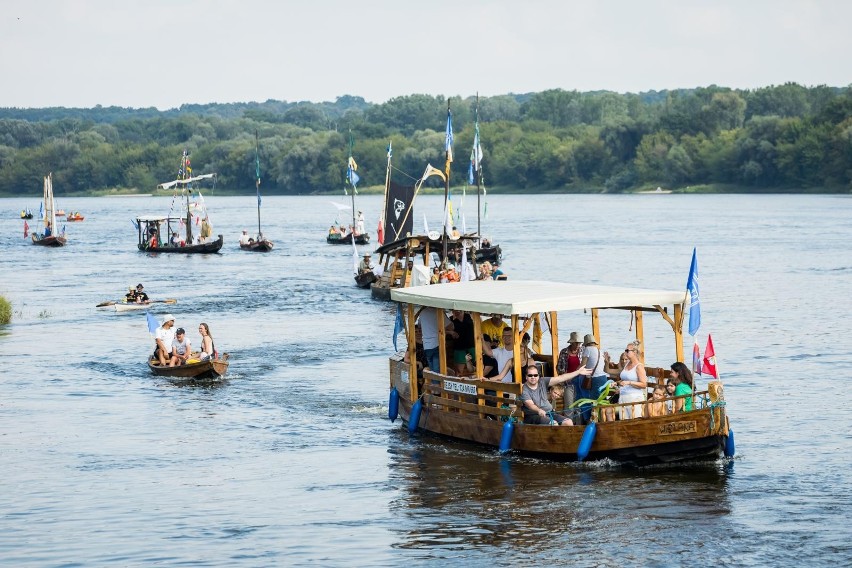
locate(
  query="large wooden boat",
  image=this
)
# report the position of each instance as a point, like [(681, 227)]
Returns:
[(407, 261), (210, 369), (151, 226), (258, 243), (173, 233), (488, 412), (49, 237)]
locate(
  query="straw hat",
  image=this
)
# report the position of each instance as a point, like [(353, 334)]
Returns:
[(589, 340), (575, 337)]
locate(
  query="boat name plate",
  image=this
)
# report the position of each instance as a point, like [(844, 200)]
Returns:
[(674, 428), (403, 377), (462, 388)]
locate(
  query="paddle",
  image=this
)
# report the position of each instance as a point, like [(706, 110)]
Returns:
[(169, 301)]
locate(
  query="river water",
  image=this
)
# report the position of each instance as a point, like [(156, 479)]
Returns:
[(291, 461)]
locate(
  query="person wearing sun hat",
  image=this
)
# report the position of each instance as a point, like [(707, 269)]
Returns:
[(592, 359), (568, 362), (364, 265), (165, 336)]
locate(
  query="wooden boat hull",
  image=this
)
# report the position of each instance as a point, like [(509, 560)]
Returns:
[(72, 219), (210, 369), (203, 248), (687, 436), (26, 215), (379, 290), (50, 241), (363, 239), (258, 246), (364, 280)]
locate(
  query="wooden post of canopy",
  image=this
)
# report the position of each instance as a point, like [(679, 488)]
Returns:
[(412, 354), (554, 342), (442, 340), (516, 350), (640, 334), (596, 325), (477, 345), (678, 331)]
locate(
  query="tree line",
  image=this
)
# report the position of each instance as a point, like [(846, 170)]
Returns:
[(779, 138)]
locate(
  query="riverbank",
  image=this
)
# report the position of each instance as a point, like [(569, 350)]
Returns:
[(457, 190)]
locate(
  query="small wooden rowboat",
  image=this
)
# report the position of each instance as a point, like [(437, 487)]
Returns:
[(75, 217), (209, 369)]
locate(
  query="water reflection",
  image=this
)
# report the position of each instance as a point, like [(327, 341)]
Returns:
[(458, 496)]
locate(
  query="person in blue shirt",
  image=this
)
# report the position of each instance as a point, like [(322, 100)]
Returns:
[(47, 231)]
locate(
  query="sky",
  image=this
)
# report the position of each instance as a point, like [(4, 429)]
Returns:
[(165, 53)]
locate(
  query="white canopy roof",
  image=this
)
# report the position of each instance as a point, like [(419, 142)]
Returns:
[(170, 184), (525, 297)]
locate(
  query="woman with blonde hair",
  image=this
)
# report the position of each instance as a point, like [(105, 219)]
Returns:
[(633, 383)]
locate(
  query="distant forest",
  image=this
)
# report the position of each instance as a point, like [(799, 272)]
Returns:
[(779, 138)]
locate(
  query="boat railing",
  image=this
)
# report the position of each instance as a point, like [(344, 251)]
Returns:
[(609, 412), (493, 400)]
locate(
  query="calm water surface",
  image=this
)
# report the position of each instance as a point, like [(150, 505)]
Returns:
[(291, 461)]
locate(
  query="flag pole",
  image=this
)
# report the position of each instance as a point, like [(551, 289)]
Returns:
[(448, 156), (476, 169), (257, 181), (349, 167)]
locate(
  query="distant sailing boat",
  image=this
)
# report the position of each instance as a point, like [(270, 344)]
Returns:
[(356, 229), (486, 251), (259, 244), (47, 238), (157, 233)]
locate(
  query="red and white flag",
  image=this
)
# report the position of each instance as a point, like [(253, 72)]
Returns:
[(26, 230), (709, 366)]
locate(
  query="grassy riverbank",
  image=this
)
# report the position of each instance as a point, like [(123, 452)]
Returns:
[(5, 311)]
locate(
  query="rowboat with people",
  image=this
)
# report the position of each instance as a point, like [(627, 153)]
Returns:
[(194, 369), (461, 404)]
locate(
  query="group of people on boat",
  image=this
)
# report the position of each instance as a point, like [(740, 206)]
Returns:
[(583, 371), (246, 240), (136, 295), (173, 348)]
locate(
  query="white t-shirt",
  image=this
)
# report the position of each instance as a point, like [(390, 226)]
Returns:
[(166, 335), (181, 348), (429, 327), (503, 356), (595, 361)]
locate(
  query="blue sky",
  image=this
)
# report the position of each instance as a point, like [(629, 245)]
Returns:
[(163, 53)]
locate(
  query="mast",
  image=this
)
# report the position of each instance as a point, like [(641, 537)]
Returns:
[(188, 190), (387, 193), (477, 168), (449, 158), (257, 181), (350, 164)]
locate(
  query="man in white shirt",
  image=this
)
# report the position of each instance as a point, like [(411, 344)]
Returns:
[(429, 328), (244, 240), (165, 336)]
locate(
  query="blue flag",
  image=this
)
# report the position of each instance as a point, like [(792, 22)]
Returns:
[(353, 177), (41, 210), (397, 325), (694, 303), (135, 224), (153, 324)]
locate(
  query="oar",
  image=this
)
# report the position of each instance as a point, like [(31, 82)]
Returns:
[(168, 301)]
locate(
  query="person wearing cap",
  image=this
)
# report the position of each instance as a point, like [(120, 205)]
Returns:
[(245, 239), (590, 387), (364, 265), (181, 349), (141, 296), (165, 336)]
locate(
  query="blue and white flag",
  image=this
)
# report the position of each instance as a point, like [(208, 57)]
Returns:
[(135, 224), (352, 177), (398, 325), (153, 324), (41, 210), (390, 149), (694, 302)]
